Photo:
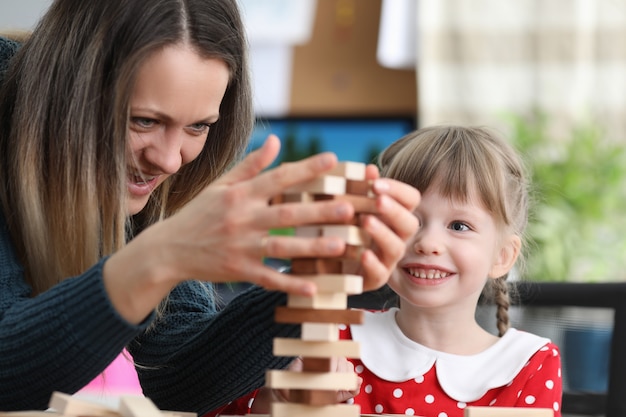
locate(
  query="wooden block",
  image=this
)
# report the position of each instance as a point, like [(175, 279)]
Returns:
[(179, 414), (330, 283), (349, 170), (316, 266), (352, 252), (336, 301), (308, 231), (285, 314), (351, 234), (320, 332), (508, 412), (317, 364), (360, 188), (295, 347), (303, 410), (313, 397), (361, 204), (138, 406), (67, 405), (327, 184), (281, 379)]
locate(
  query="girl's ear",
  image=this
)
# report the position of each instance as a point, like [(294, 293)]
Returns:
[(505, 260)]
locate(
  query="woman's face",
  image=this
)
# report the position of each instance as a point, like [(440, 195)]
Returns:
[(176, 98)]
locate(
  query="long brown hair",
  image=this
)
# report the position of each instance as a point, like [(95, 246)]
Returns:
[(459, 159), (64, 125)]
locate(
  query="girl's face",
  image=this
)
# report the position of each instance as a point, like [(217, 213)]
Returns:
[(457, 247), (176, 98)]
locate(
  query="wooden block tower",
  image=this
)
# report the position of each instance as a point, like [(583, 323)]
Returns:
[(313, 391)]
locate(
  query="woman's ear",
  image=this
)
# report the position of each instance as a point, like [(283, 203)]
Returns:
[(505, 260)]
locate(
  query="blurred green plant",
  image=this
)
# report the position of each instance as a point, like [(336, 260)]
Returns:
[(577, 225)]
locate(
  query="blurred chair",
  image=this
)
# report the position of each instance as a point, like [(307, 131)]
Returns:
[(586, 298)]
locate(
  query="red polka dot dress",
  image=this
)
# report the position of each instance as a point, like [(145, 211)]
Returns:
[(404, 377)]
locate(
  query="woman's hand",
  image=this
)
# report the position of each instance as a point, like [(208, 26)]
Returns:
[(222, 234)]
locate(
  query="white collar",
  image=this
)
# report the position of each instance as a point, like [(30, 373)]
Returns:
[(392, 356)]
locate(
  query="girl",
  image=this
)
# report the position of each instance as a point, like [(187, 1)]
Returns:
[(429, 356)]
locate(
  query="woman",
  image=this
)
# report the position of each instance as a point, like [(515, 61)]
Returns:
[(120, 120)]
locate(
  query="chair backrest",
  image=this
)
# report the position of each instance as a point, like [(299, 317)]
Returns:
[(589, 297)]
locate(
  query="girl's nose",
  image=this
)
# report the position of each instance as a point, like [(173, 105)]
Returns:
[(427, 241)]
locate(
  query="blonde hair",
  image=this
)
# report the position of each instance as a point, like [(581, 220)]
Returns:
[(459, 160), (64, 110)]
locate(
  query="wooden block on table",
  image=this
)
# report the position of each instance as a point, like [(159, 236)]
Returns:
[(317, 364), (285, 314), (303, 410), (349, 170), (67, 405), (313, 396), (178, 414), (507, 412), (320, 332), (138, 406), (331, 283), (337, 301), (295, 347), (316, 266), (281, 379), (327, 184)]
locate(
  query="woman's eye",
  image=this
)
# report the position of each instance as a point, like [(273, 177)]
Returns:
[(143, 122), (459, 226), (200, 128)]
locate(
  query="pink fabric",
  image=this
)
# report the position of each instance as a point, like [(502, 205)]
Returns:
[(119, 378)]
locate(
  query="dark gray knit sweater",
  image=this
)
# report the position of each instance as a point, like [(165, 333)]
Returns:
[(195, 359)]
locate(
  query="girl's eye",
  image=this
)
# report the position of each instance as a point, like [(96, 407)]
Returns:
[(459, 226)]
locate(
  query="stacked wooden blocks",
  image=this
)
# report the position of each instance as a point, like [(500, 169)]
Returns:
[(313, 391)]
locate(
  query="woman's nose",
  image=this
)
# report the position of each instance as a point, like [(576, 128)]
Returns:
[(165, 153)]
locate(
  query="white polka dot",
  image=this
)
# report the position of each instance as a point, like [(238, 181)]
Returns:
[(559, 372), (493, 401), (250, 401), (350, 400), (358, 369), (529, 400), (540, 366), (419, 379), (549, 384), (397, 392), (519, 393), (429, 399), (442, 414), (461, 405), (378, 408), (555, 352), (555, 406), (543, 349), (368, 389), (342, 327), (409, 412)]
